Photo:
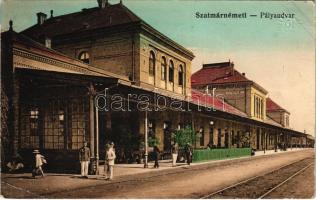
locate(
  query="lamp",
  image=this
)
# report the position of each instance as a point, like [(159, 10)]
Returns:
[(165, 125), (150, 124)]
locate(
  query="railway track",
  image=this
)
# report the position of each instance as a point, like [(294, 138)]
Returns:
[(261, 186)]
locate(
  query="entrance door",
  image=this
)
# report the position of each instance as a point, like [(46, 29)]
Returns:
[(219, 138), (258, 139), (226, 138)]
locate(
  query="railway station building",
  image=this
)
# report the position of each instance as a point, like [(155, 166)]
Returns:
[(81, 77)]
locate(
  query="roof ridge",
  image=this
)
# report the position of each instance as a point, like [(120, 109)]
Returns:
[(130, 13), (57, 17), (218, 65)]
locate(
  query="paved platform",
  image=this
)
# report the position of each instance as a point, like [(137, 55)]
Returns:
[(128, 169), (24, 185)]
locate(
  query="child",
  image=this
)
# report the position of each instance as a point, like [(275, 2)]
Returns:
[(39, 161)]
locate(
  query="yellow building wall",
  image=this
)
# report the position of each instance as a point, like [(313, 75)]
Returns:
[(254, 92), (147, 45)]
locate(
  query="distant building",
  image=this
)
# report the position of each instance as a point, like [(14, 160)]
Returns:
[(235, 87)]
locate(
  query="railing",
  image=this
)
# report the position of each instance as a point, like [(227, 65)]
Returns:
[(200, 155)]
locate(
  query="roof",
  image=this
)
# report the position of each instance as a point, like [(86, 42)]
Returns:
[(91, 19), (24, 44), (272, 106), (217, 74), (86, 19), (208, 100), (269, 120), (220, 73)]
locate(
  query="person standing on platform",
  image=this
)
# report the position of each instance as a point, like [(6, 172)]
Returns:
[(110, 155), (84, 158), (106, 161), (156, 156), (175, 150), (188, 153)]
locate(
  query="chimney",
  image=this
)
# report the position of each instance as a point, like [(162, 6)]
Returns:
[(41, 17), (103, 3), (48, 42), (51, 13), (243, 74), (11, 25)]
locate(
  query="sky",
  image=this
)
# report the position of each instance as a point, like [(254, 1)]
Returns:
[(278, 54)]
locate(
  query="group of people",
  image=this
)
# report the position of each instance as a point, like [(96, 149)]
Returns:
[(84, 157), (175, 153)]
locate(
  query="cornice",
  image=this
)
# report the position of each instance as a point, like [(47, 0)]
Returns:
[(49, 61)]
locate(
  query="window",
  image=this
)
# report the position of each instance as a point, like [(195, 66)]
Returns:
[(30, 127), (152, 62), (171, 71), (34, 121), (287, 120), (84, 57), (54, 126), (79, 122), (261, 113), (255, 106), (258, 107), (180, 74), (163, 68)]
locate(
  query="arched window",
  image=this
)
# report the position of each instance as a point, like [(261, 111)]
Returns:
[(180, 75), (163, 68), (152, 62), (171, 71), (84, 57)]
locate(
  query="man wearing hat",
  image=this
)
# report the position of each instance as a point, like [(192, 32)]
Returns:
[(84, 158), (110, 156), (39, 160)]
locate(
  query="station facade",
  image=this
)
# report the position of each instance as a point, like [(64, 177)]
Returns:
[(54, 74)]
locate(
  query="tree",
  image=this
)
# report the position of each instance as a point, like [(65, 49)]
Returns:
[(184, 136), (153, 141)]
